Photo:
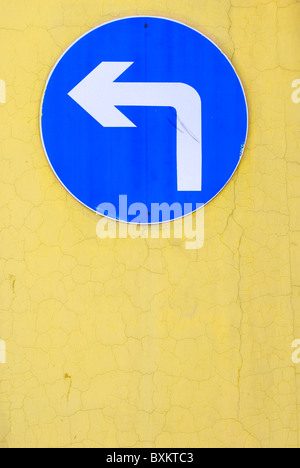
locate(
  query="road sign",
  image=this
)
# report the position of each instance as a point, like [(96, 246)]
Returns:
[(144, 107)]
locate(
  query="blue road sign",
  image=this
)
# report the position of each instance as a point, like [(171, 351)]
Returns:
[(144, 107)]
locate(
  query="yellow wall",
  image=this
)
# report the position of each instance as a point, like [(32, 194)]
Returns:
[(138, 343)]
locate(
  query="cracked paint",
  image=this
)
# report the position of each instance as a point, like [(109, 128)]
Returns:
[(166, 347)]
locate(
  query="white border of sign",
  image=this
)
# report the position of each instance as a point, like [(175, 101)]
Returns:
[(114, 21)]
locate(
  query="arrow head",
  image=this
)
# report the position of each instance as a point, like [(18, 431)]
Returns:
[(95, 94)]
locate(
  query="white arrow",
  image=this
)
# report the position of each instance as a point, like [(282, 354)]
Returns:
[(99, 94)]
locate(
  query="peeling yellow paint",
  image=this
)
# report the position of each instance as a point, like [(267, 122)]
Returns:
[(166, 347)]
